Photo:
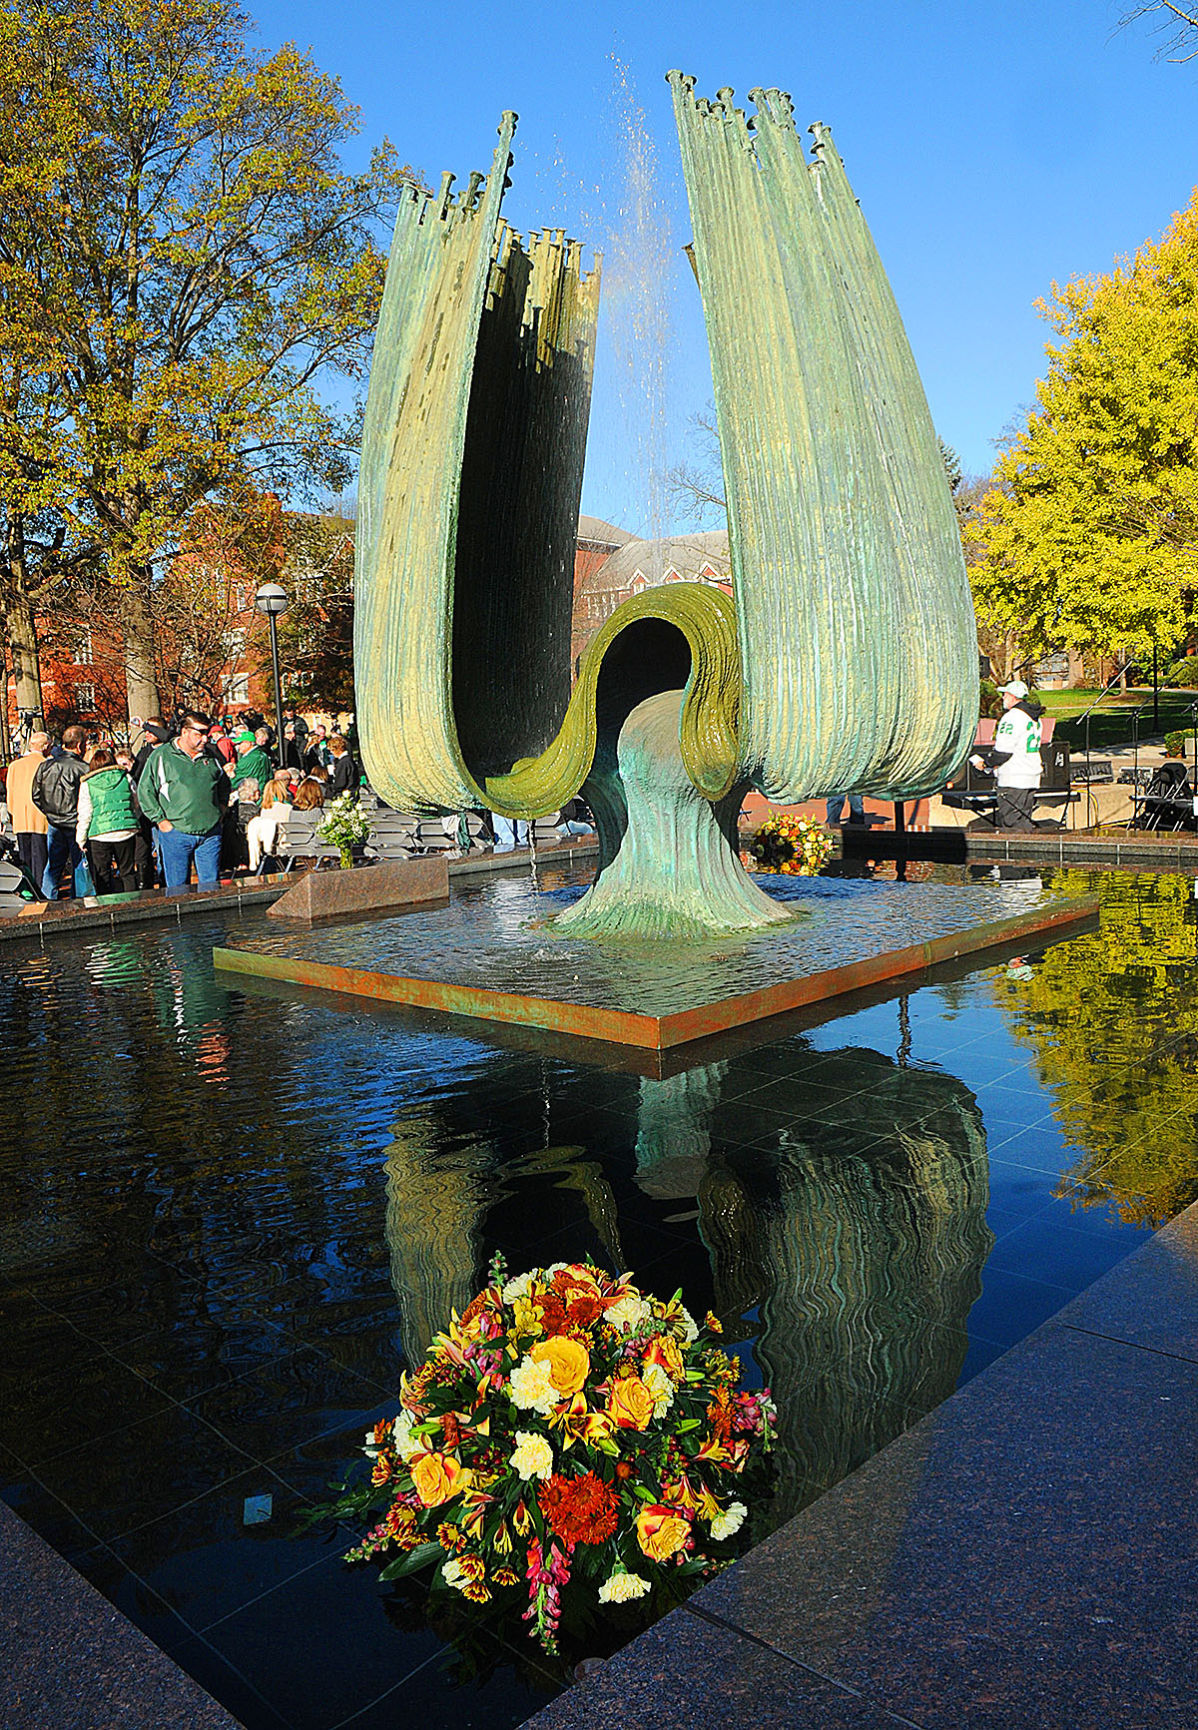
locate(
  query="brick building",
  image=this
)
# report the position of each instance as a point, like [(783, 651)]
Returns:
[(633, 566)]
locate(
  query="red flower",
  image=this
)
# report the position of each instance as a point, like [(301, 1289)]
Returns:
[(571, 1305), (581, 1510)]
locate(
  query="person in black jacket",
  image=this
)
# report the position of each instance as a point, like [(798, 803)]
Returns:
[(154, 733), (55, 792), (343, 771)]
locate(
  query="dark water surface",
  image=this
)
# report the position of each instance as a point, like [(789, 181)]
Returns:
[(230, 1219)]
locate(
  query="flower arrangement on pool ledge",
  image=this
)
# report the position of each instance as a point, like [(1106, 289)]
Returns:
[(567, 1434), (791, 846)]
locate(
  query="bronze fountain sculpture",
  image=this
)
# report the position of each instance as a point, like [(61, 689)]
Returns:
[(846, 656)]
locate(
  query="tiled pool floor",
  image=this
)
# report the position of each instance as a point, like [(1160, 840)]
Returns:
[(230, 1220)]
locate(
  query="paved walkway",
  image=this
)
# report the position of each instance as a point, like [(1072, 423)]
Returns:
[(1026, 1558)]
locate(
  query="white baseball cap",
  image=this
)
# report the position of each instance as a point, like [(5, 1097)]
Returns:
[(1016, 688)]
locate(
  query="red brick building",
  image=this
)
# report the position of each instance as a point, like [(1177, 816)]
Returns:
[(701, 557)]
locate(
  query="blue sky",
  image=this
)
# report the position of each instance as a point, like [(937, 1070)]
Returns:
[(993, 149)]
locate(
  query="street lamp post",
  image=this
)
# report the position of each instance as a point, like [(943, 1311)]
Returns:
[(272, 600)]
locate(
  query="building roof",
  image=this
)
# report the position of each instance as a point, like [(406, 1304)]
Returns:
[(594, 529), (686, 554)]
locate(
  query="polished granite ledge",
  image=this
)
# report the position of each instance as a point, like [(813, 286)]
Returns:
[(70, 1661), (1026, 1557)]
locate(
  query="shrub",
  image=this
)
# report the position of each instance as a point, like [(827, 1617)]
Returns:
[(1183, 672)]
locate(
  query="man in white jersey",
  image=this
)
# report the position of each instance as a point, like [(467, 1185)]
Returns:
[(1015, 757)]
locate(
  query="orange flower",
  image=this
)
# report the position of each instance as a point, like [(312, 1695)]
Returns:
[(661, 1531), (664, 1351), (630, 1403), (437, 1477), (569, 1363), (380, 1471)]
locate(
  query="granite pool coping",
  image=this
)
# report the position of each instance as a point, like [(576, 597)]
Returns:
[(69, 1660), (1026, 1556)]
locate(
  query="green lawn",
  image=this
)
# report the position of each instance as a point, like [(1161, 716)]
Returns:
[(1112, 723)]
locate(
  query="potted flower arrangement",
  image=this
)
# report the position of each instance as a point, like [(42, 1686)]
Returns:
[(791, 846), (567, 1437), (344, 826)]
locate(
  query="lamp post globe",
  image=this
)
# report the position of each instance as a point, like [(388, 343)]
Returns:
[(272, 600)]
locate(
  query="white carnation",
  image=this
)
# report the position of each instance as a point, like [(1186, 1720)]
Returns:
[(730, 1521), (518, 1287), (533, 1457), (531, 1386), (660, 1386), (454, 1575), (620, 1588), (691, 1332), (629, 1312), (406, 1444)]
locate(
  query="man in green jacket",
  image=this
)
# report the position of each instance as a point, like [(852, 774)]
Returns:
[(183, 791), (253, 761)]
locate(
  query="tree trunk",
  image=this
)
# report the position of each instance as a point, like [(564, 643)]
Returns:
[(22, 637), (141, 677)]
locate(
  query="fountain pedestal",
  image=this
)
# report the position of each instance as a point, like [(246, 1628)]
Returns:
[(669, 860)]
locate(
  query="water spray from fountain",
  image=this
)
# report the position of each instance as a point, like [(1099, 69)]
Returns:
[(640, 262)]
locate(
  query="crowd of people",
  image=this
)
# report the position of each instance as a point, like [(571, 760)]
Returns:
[(191, 794)]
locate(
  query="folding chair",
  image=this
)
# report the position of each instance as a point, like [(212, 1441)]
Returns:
[(302, 842), (15, 888), (392, 836)]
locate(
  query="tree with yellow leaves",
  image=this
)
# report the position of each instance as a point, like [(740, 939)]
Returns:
[(1090, 535), (185, 269)]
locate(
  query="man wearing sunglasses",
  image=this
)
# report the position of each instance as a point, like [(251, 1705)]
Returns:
[(183, 790)]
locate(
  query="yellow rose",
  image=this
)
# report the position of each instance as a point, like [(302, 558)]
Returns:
[(569, 1363), (438, 1478), (661, 1531), (630, 1403)]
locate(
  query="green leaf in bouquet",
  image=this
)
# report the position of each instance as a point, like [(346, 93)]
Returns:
[(415, 1559)]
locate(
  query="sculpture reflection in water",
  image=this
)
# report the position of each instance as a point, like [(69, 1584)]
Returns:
[(858, 1239), (441, 1187)]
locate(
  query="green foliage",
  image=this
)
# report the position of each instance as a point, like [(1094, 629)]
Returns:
[(316, 633), (1089, 534), (1183, 672), (184, 268)]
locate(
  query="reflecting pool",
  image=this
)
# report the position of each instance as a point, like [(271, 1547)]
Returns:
[(232, 1218)]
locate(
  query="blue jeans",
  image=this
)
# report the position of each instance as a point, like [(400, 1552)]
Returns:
[(835, 806), (177, 850), (61, 846), (510, 832)]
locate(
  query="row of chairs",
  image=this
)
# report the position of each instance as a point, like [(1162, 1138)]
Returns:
[(394, 835)]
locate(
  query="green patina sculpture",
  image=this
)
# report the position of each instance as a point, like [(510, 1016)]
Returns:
[(847, 656)]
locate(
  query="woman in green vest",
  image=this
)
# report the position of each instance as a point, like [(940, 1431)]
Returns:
[(107, 825)]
